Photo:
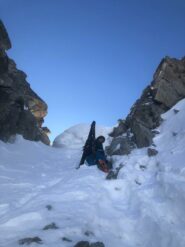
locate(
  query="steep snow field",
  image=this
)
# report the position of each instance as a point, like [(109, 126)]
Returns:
[(144, 207)]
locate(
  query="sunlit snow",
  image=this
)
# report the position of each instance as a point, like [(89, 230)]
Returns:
[(144, 207)]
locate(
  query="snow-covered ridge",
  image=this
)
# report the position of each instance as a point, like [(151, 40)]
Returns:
[(76, 136), (143, 207)]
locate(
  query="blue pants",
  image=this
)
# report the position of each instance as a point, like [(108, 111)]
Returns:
[(93, 158)]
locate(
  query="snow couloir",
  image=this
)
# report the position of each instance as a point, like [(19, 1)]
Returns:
[(39, 186)]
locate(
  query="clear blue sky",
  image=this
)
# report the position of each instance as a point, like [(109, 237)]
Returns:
[(91, 59)]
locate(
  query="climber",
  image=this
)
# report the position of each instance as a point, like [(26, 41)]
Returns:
[(97, 155), (93, 152)]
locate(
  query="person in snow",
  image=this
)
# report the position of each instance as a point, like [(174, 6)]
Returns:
[(93, 152), (97, 155)]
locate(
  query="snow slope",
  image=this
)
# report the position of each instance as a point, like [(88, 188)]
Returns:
[(143, 207)]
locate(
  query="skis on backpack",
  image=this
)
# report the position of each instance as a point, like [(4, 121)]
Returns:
[(89, 144)]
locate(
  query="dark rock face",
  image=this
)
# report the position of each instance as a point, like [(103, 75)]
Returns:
[(152, 152), (5, 42), (22, 111), (169, 81), (166, 89), (122, 128)]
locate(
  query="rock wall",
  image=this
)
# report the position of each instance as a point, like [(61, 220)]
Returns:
[(22, 111), (166, 89)]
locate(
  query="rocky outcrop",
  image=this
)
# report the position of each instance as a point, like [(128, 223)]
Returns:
[(30, 241), (166, 89), (87, 244), (22, 111), (152, 152)]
